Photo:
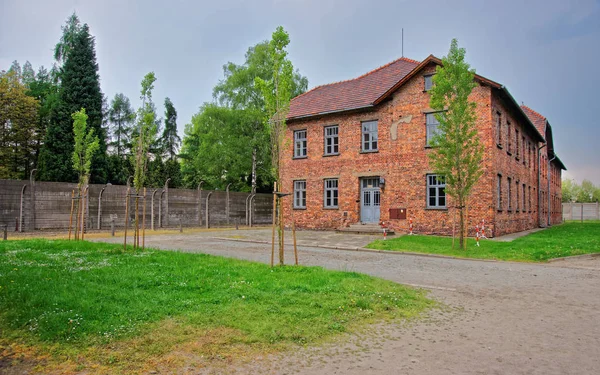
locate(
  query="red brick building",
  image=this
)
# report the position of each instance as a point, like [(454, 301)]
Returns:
[(356, 152)]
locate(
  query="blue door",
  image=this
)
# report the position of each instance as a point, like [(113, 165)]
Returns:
[(370, 200)]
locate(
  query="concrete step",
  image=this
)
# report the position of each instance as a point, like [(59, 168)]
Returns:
[(364, 229)]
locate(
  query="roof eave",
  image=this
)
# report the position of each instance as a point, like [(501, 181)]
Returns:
[(303, 117), (512, 99)]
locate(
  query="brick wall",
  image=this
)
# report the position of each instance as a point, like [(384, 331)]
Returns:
[(402, 160)]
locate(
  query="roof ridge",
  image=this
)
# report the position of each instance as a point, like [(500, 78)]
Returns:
[(534, 112), (361, 76)]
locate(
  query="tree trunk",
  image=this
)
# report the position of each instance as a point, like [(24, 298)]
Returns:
[(281, 233), (462, 225)]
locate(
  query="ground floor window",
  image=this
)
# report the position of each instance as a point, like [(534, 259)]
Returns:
[(330, 199), (300, 194), (436, 191)]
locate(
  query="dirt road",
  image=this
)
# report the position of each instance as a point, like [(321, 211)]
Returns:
[(502, 317)]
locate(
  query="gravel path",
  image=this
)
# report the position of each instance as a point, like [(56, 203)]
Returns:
[(501, 317)]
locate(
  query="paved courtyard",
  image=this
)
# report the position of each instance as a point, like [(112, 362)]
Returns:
[(497, 317)]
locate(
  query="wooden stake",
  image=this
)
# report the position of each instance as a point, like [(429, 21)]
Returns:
[(294, 237), (281, 233), (144, 222), (71, 216), (126, 219), (453, 226), (274, 220), (82, 203), (136, 237), (77, 215)]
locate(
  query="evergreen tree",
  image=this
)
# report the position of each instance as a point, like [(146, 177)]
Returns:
[(80, 88), (121, 117), (170, 138)]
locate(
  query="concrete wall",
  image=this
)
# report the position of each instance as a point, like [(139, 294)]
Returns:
[(47, 205), (581, 211)]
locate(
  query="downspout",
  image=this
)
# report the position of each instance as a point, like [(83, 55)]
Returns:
[(549, 202), (539, 202)]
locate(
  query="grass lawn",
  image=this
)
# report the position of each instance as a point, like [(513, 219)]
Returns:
[(77, 306), (572, 238)]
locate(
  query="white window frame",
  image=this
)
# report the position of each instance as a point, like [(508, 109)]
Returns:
[(432, 125), (331, 193), (300, 194), (369, 136), (300, 143), (332, 134), (438, 183)]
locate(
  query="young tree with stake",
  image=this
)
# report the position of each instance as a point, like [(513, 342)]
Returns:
[(457, 151)]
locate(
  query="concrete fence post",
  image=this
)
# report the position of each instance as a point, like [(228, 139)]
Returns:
[(227, 202), (112, 226), (207, 210), (247, 211), (152, 209), (32, 200), (199, 208), (20, 225), (99, 226), (597, 211), (160, 197), (5, 235), (167, 202), (250, 211)]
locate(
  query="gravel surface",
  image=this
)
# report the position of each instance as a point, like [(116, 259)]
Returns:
[(500, 317)]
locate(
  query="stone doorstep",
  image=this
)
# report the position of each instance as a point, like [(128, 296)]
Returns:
[(364, 229)]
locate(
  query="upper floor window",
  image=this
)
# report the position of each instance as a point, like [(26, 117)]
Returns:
[(300, 143), (499, 128), (428, 81), (300, 194), (508, 137), (508, 193), (436, 191), (331, 193), (331, 140), (524, 152), (369, 136), (432, 127), (517, 148)]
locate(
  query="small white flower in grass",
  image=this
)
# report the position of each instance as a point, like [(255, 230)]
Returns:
[(243, 297)]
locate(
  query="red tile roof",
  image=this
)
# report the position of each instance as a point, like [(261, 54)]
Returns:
[(536, 119), (351, 94)]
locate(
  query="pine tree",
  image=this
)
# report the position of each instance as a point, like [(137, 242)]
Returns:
[(80, 88), (121, 117), (170, 138)]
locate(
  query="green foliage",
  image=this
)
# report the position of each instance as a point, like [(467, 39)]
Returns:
[(145, 132), (558, 241), (18, 120), (67, 42), (587, 192), (86, 145), (73, 294), (80, 88), (219, 144), (457, 151), (170, 139), (121, 116), (277, 93)]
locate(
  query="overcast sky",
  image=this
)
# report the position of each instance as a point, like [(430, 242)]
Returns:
[(546, 52)]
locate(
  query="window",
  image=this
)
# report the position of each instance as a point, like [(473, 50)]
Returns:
[(529, 190), (524, 207), (331, 140), (369, 136), (436, 191), (428, 82), (517, 143), (300, 143), (508, 193), (523, 149), (331, 193), (508, 150), (517, 201), (499, 192), (300, 194), (432, 127), (499, 128)]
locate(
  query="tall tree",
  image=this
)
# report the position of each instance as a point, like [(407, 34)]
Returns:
[(80, 88), (121, 117), (86, 145), (457, 152), (28, 75), (70, 32), (145, 132), (18, 120), (170, 138)]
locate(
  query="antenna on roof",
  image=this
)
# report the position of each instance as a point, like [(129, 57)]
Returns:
[(403, 42)]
